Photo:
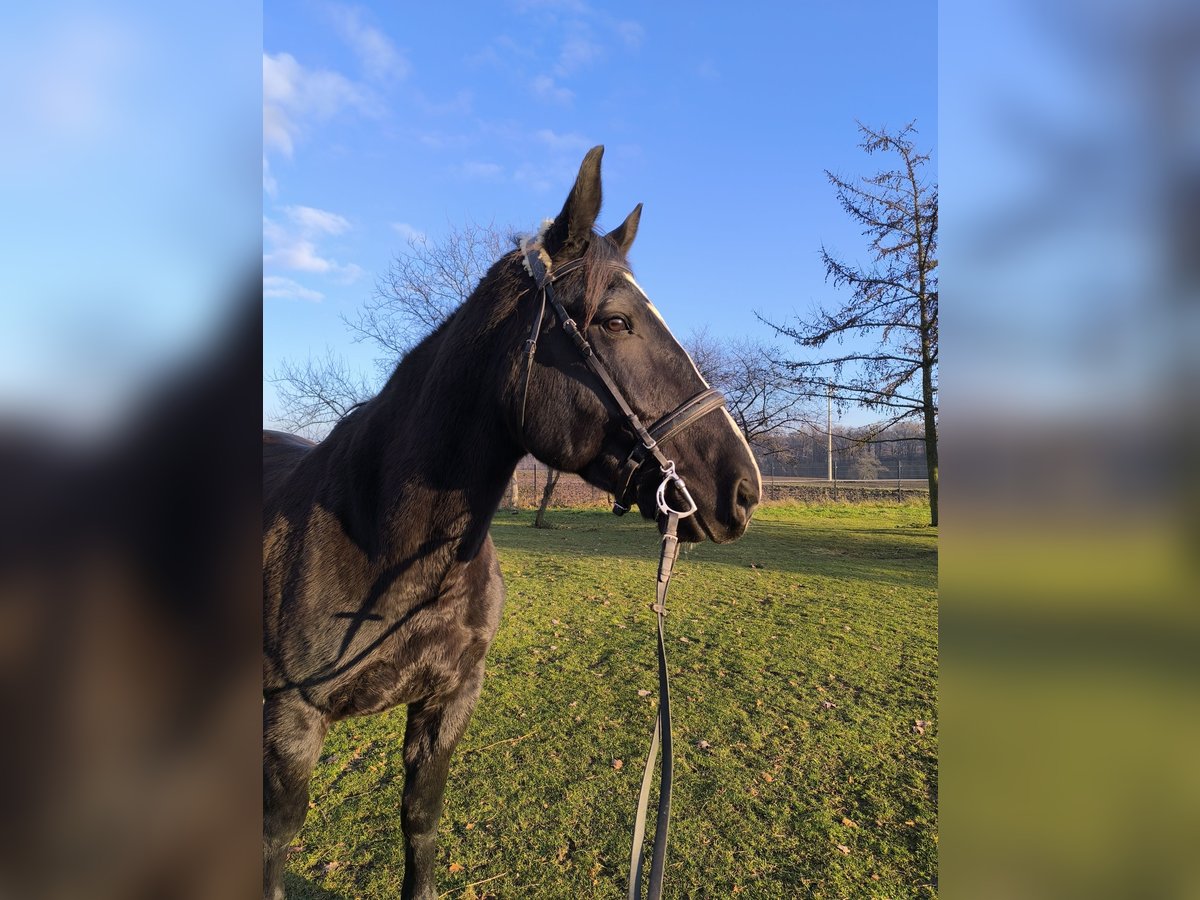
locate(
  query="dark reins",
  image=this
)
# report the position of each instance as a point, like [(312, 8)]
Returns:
[(645, 449)]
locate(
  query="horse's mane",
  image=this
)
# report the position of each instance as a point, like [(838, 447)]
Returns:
[(504, 285)]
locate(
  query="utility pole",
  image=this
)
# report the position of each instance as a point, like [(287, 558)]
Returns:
[(829, 427)]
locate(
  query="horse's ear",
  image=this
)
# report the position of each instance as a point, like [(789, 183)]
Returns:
[(573, 227), (624, 233)]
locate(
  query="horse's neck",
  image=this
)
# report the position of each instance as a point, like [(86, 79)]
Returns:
[(430, 456)]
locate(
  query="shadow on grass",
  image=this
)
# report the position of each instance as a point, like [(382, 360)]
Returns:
[(296, 887), (888, 555)]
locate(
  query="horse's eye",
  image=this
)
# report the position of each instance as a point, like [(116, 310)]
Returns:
[(616, 324)]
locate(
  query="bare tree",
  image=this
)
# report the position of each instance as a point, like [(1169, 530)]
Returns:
[(552, 476), (760, 393), (316, 393), (424, 284), (893, 302), (861, 461)]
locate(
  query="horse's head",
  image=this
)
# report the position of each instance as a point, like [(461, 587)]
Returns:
[(569, 418)]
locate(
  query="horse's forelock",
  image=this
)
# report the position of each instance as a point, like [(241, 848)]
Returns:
[(594, 277), (599, 257)]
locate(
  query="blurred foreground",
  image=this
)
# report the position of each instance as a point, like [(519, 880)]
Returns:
[(129, 645), (1070, 629), (130, 353)]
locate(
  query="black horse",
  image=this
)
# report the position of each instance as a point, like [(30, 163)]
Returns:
[(380, 580)]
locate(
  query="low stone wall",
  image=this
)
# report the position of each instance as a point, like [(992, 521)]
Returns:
[(573, 491), (854, 492)]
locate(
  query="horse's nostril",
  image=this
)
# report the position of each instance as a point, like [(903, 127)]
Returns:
[(745, 499)]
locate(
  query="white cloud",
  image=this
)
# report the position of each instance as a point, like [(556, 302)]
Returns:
[(407, 232), (548, 89), (295, 254), (294, 248), (294, 96), (270, 186), (348, 273), (310, 219), (377, 55), (286, 288)]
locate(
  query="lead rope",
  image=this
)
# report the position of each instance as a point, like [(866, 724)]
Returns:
[(662, 723)]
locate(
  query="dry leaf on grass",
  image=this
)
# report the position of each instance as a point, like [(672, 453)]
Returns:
[(844, 849), (455, 868), (618, 764)]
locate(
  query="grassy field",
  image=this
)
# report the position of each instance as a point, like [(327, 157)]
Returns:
[(804, 655)]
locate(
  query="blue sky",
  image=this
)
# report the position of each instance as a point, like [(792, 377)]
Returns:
[(384, 121)]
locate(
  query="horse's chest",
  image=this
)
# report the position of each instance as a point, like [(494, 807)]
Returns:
[(429, 649)]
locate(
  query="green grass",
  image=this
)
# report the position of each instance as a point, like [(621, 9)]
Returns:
[(816, 604)]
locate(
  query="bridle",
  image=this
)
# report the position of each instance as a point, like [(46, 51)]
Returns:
[(645, 449), (647, 442)]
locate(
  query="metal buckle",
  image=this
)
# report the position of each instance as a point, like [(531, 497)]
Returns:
[(660, 495)]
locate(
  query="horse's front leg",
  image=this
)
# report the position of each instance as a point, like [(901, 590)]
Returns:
[(293, 733), (432, 733)]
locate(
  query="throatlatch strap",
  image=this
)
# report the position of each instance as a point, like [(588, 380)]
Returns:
[(662, 731)]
